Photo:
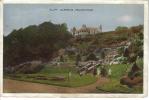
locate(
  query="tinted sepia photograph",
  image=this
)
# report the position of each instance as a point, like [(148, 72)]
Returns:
[(73, 48)]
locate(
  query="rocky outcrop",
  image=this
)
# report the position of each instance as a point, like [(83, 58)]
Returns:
[(26, 68), (131, 82)]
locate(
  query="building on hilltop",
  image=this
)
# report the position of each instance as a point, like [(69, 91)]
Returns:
[(84, 30)]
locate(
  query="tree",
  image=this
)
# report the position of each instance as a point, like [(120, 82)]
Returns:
[(64, 27), (34, 42), (134, 53), (74, 30), (119, 28), (136, 48)]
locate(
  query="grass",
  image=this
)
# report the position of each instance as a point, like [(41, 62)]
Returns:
[(48, 69), (114, 86), (75, 80), (118, 70), (53, 71)]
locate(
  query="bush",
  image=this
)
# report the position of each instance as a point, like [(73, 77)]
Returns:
[(122, 60), (120, 28), (91, 56), (120, 51), (40, 42), (114, 86), (139, 62)]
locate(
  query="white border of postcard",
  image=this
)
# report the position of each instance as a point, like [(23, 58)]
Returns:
[(146, 48)]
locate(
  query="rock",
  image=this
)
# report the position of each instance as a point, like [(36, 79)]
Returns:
[(131, 82), (28, 67)]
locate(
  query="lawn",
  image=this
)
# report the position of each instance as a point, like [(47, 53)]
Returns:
[(114, 86), (57, 71), (119, 70)]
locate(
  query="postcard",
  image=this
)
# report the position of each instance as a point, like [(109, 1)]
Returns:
[(74, 49)]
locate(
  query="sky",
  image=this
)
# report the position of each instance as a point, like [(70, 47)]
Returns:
[(110, 16)]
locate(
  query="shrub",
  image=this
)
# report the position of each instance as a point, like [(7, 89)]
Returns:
[(91, 56)]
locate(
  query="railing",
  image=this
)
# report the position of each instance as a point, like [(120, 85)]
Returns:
[(88, 67)]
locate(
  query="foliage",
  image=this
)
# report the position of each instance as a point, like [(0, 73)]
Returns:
[(118, 70), (120, 50), (137, 29), (136, 69), (126, 52), (115, 87), (119, 28), (78, 59), (104, 71), (91, 56), (136, 47), (35, 43), (73, 30), (54, 71), (121, 59), (139, 62)]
